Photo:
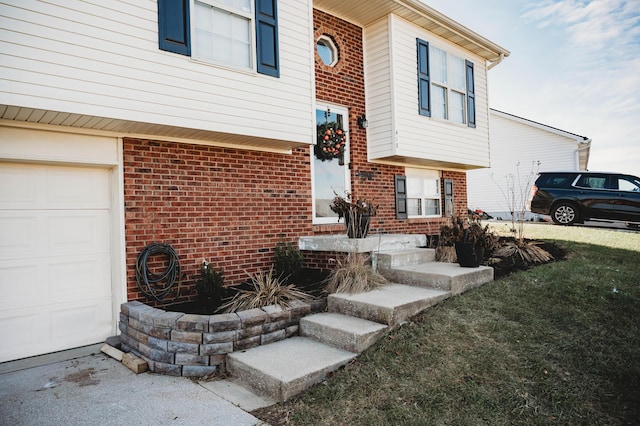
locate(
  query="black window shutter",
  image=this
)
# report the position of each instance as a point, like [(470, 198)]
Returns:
[(471, 96), (401, 197), (267, 37), (173, 26), (424, 88)]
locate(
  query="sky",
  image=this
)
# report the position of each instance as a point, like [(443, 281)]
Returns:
[(574, 65)]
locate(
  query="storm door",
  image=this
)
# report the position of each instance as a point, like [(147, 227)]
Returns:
[(329, 161)]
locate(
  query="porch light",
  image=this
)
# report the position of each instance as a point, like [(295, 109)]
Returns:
[(362, 122)]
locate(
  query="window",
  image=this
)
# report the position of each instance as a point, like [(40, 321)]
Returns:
[(222, 32), (445, 85), (327, 51), (238, 33), (423, 193), (628, 184)]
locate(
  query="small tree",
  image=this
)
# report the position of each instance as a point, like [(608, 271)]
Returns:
[(288, 260), (210, 286), (516, 194)]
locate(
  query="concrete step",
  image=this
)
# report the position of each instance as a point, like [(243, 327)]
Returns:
[(397, 258), (286, 368), (391, 304), (342, 331), (445, 276)]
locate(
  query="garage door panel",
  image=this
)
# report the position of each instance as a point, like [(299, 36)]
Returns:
[(77, 232), (79, 279), (40, 187), (18, 186), (73, 325), (20, 335), (76, 187), (18, 231), (23, 285)]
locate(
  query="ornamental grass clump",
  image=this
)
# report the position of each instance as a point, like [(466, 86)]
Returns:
[(267, 290), (528, 251), (354, 275)]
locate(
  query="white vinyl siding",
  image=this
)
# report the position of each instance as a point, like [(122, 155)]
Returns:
[(516, 149), (102, 59), (417, 139), (379, 88)]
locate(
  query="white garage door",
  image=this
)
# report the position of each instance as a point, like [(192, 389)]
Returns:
[(55, 273)]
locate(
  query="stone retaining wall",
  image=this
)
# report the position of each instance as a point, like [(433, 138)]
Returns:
[(191, 345)]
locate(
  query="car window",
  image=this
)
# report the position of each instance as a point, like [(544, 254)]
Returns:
[(628, 185), (555, 180), (591, 181)]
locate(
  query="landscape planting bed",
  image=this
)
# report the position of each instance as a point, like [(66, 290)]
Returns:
[(192, 345)]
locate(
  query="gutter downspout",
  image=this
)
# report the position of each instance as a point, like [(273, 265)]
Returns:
[(496, 62)]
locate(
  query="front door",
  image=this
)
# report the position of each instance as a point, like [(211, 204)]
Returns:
[(329, 161)]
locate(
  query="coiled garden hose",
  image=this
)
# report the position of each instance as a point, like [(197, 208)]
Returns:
[(157, 286)]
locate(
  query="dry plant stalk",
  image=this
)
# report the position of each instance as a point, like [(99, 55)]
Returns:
[(529, 251), (354, 275), (267, 290), (446, 254)]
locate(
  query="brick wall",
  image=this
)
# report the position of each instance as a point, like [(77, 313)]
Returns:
[(228, 206)]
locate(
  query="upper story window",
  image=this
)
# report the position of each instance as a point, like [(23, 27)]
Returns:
[(239, 33), (223, 32), (446, 86), (327, 51)]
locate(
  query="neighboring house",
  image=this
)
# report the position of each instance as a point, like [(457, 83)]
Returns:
[(193, 123), (521, 148)]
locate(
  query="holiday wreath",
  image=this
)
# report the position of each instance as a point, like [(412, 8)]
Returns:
[(331, 142)]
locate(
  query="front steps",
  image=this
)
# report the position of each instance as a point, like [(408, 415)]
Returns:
[(342, 331), (402, 267), (392, 304), (354, 322)]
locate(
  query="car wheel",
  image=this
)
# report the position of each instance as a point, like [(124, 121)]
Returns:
[(564, 214)]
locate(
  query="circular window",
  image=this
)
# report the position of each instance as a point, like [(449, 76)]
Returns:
[(327, 51)]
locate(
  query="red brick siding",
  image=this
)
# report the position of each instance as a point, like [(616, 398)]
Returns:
[(228, 206)]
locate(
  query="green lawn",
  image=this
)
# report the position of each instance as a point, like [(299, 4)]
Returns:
[(558, 344)]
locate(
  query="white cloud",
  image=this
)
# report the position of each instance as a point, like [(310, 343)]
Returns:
[(593, 24)]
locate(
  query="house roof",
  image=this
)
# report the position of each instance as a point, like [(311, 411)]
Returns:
[(584, 143), (365, 12)]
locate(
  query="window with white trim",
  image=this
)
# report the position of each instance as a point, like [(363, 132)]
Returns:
[(236, 33), (327, 51), (223, 32), (423, 193), (446, 86)]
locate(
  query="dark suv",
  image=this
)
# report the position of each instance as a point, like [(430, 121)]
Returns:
[(573, 197)]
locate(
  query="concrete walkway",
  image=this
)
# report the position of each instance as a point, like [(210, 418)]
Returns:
[(98, 390)]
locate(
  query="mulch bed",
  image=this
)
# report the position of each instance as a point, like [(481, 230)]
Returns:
[(506, 266)]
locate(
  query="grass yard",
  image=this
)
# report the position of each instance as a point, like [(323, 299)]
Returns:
[(557, 344)]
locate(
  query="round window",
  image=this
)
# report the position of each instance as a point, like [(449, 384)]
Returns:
[(327, 51)]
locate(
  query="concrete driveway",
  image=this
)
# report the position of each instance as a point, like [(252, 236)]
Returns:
[(98, 390)]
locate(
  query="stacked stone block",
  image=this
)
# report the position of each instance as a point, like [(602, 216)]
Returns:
[(190, 345)]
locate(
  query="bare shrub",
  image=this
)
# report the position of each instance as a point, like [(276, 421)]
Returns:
[(354, 275)]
